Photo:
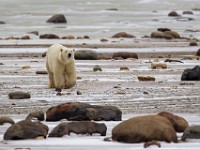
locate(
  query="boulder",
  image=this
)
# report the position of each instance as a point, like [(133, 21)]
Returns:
[(49, 36), (77, 111), (123, 35), (160, 35), (173, 14), (36, 114), (6, 119), (26, 129), (174, 34), (19, 95), (85, 55), (124, 55), (58, 18), (144, 129), (192, 132), (198, 52), (163, 29), (80, 127), (191, 74), (97, 68), (179, 123)]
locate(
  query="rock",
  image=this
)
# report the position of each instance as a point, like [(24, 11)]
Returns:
[(36, 114), (112, 9), (2, 22), (191, 74), (86, 55), (26, 67), (124, 55), (147, 144), (97, 68), (86, 37), (58, 18), (1, 64), (26, 129), (81, 127), (34, 33), (78, 93), (174, 34), (41, 72), (19, 95), (191, 57), (104, 40), (123, 68), (144, 129), (192, 132), (173, 14), (49, 36), (163, 29), (44, 54), (82, 111), (146, 78), (188, 12), (193, 44), (158, 65), (25, 37), (70, 37), (198, 52), (123, 35), (179, 123), (5, 119), (160, 35), (172, 60)]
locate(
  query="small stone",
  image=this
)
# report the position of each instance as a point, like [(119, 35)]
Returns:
[(19, 95), (41, 72), (193, 44), (58, 89), (145, 92), (26, 67), (59, 94), (97, 68), (146, 78), (78, 93), (124, 68)]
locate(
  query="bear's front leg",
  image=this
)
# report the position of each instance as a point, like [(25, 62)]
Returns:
[(51, 80), (59, 80)]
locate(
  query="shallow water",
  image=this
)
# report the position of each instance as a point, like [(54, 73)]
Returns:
[(93, 18)]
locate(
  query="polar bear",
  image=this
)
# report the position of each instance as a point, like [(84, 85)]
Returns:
[(60, 64)]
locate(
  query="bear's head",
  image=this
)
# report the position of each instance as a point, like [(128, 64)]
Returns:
[(66, 55)]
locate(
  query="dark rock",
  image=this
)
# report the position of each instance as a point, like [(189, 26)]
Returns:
[(144, 129), (2, 22), (86, 37), (173, 14), (25, 37), (49, 36), (125, 55), (191, 74), (70, 37), (6, 120), (97, 68), (123, 68), (81, 127), (123, 35), (198, 52), (78, 93), (36, 114), (58, 89), (34, 33), (41, 72), (193, 44), (112, 9), (44, 54), (188, 12), (163, 29), (192, 132), (146, 78), (172, 60), (19, 95), (104, 40), (58, 18), (1, 64), (179, 123), (26, 129), (82, 111), (86, 55)]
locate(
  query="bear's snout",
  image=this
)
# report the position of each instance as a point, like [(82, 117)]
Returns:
[(69, 55)]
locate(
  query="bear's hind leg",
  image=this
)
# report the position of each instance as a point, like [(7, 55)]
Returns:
[(51, 81)]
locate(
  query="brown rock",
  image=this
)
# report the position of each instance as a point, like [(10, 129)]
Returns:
[(58, 18), (160, 35), (82, 111), (173, 14), (19, 95), (174, 34), (6, 119), (49, 36), (41, 72), (123, 35), (81, 127), (144, 129), (158, 65), (70, 37), (198, 52), (124, 55), (97, 68), (193, 44), (36, 114), (124, 68), (179, 123), (25, 37), (26, 129), (146, 78)]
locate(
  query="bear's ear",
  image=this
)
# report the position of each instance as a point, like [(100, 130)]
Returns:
[(61, 49)]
